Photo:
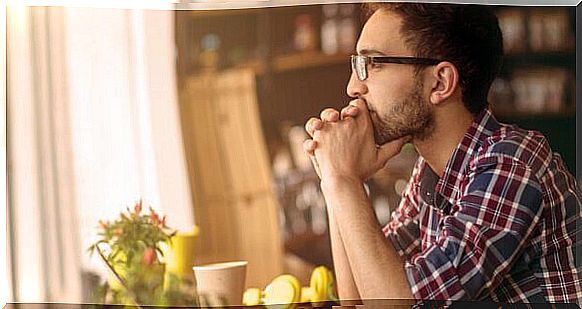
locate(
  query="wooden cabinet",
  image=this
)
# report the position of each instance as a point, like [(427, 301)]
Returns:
[(229, 169)]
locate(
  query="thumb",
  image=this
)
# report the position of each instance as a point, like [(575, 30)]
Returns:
[(389, 150), (360, 104)]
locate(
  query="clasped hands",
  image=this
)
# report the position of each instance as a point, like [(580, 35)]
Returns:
[(342, 145)]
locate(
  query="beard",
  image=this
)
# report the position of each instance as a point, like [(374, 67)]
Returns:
[(410, 117)]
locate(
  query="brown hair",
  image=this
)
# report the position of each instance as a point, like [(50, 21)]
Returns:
[(468, 36)]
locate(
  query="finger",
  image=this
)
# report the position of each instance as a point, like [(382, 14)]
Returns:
[(309, 146), (313, 124), (315, 166), (360, 105), (349, 111), (330, 114), (390, 149)]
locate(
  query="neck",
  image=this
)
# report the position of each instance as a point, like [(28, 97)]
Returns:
[(448, 131)]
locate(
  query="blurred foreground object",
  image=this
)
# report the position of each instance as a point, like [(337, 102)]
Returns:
[(286, 290), (222, 281), (131, 247)]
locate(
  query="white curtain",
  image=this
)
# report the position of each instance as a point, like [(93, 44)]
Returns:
[(127, 132), (93, 126), (42, 212), (5, 284)]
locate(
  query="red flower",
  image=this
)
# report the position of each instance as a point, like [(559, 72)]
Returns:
[(103, 224), (154, 216), (137, 208), (149, 256), (118, 231)]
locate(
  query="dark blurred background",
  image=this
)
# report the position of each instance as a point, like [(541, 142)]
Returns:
[(300, 59)]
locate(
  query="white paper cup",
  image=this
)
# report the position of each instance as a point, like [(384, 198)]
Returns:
[(224, 281)]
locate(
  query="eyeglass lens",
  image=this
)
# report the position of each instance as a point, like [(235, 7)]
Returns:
[(359, 65)]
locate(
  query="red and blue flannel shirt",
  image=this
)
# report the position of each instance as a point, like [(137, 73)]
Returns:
[(499, 225)]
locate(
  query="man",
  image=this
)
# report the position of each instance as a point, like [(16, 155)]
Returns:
[(489, 212)]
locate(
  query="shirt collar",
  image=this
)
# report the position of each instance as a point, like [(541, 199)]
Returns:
[(447, 187)]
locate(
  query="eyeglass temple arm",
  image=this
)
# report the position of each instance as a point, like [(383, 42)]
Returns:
[(404, 60)]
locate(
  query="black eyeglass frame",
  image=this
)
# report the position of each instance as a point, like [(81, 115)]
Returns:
[(363, 74)]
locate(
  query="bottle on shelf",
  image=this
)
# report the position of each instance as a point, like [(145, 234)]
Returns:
[(549, 31), (539, 90), (512, 24), (209, 57), (329, 29), (304, 38), (347, 28)]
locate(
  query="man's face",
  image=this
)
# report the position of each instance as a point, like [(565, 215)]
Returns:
[(394, 94)]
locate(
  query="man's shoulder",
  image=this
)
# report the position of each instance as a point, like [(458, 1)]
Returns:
[(515, 145)]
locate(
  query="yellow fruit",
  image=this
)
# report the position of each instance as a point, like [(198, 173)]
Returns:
[(290, 278), (252, 297), (307, 294), (330, 287), (284, 289), (320, 281)]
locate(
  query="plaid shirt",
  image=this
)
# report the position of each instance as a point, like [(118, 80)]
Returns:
[(499, 225)]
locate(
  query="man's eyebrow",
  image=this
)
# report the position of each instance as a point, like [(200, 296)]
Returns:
[(366, 52)]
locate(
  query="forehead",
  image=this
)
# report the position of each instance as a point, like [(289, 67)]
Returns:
[(381, 33)]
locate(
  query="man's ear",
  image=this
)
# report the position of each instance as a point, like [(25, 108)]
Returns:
[(446, 82)]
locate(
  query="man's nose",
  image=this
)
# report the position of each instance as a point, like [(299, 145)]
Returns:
[(356, 87)]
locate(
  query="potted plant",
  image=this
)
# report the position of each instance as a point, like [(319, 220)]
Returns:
[(130, 246)]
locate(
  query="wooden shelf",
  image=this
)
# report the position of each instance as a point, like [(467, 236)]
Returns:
[(308, 60), (514, 114), (297, 61), (555, 59)]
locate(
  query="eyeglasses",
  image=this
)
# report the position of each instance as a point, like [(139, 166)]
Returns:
[(360, 63)]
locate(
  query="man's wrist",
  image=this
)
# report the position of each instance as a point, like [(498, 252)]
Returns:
[(340, 183)]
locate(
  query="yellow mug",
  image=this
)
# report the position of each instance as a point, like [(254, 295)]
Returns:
[(179, 255)]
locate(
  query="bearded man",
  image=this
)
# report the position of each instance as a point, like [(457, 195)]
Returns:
[(489, 212)]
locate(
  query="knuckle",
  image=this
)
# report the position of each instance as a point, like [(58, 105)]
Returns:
[(350, 122), (357, 103), (316, 135), (328, 113), (310, 124)]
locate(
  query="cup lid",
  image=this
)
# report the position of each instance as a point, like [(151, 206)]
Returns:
[(221, 265)]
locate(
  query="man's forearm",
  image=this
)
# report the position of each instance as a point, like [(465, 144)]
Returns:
[(377, 269), (346, 286)]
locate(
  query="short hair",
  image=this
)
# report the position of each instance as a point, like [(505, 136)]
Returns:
[(468, 36)]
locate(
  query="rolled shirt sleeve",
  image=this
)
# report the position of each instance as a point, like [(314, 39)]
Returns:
[(478, 243)]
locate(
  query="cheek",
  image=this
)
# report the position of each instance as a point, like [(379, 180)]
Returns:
[(387, 89)]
